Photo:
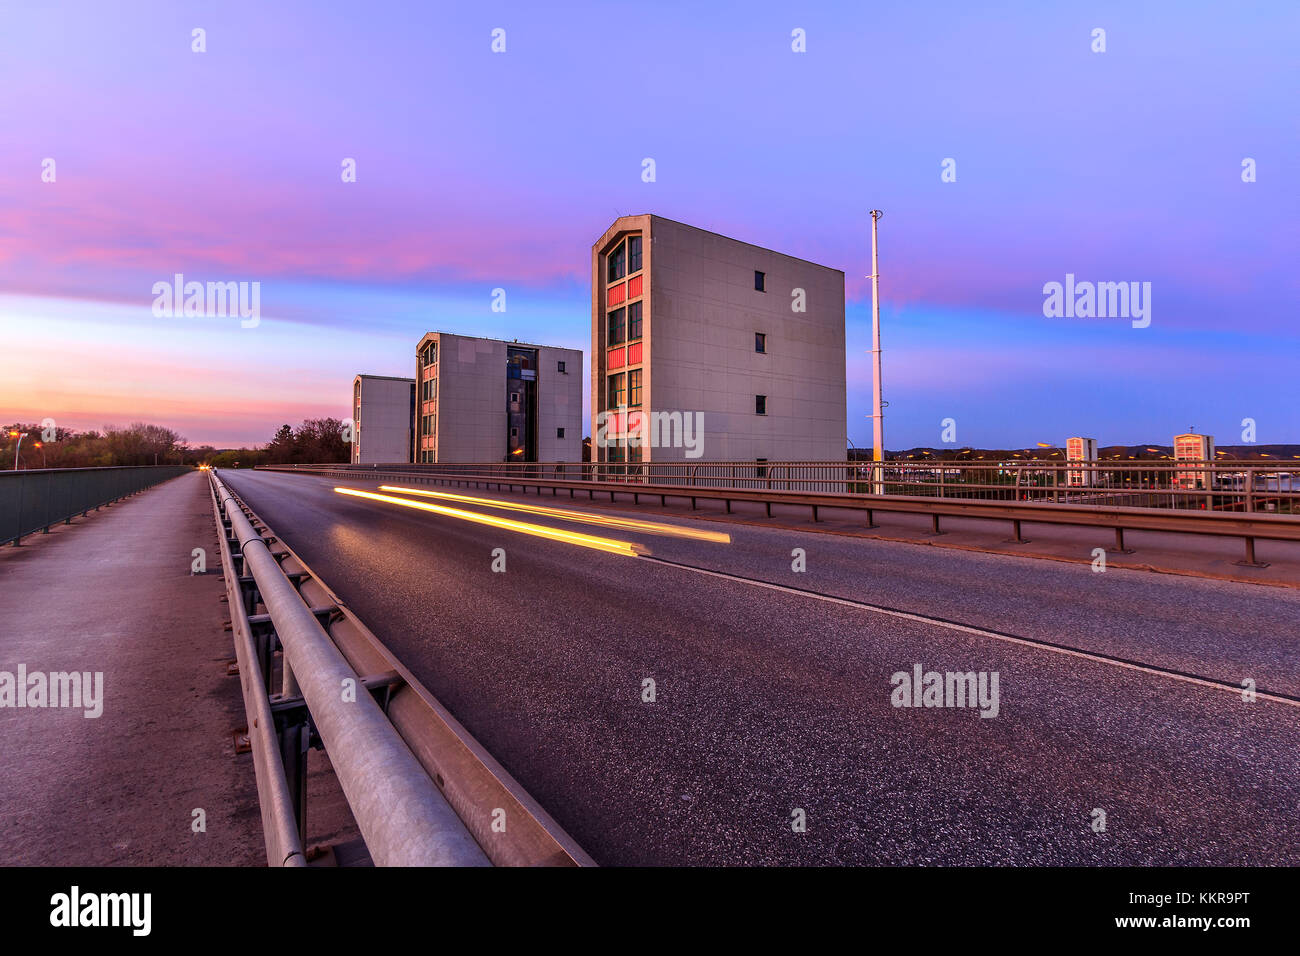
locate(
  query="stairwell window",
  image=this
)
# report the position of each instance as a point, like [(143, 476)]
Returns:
[(760, 342), (760, 404), (760, 281), (617, 264)]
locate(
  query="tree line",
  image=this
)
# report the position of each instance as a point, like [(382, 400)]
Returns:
[(140, 443)]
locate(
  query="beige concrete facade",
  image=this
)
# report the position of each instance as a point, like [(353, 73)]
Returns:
[(700, 313), (471, 409), (383, 409)]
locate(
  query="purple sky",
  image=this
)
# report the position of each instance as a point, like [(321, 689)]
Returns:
[(478, 170)]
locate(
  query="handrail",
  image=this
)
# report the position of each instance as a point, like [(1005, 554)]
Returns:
[(1248, 486), (1246, 525), (279, 823), (402, 816)]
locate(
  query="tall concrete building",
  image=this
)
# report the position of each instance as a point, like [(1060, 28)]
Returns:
[(486, 400), (1197, 448), (383, 416), (692, 328)]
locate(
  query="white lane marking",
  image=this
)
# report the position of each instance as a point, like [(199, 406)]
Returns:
[(980, 632)]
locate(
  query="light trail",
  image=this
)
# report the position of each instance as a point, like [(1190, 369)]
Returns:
[(627, 548), (626, 524)]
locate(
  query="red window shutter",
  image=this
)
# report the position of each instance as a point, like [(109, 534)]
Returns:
[(634, 353), (634, 287)]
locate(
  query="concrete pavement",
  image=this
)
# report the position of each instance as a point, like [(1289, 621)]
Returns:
[(113, 594)]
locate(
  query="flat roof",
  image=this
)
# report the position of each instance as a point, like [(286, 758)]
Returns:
[(486, 338), (676, 222)]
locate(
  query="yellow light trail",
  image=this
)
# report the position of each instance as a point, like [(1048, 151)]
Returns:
[(555, 534), (609, 521)]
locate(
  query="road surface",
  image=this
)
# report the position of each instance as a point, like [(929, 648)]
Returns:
[(773, 687)]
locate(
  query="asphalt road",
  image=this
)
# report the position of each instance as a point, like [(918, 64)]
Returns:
[(769, 701)]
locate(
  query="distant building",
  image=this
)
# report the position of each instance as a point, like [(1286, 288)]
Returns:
[(704, 347), (486, 400), (383, 416), (1081, 449), (1193, 448)]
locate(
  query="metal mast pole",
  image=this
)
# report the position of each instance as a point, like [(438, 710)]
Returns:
[(878, 417)]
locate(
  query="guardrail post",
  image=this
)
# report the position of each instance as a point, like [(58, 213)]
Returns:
[(1250, 561)]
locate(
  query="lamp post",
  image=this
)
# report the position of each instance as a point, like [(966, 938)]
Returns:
[(20, 436), (878, 414), (41, 446)]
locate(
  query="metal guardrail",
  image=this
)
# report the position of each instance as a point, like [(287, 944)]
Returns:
[(36, 500), (1248, 527), (420, 788), (1195, 486)]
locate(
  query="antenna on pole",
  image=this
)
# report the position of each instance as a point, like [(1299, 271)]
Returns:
[(877, 391)]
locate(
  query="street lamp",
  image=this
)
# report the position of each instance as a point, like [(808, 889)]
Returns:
[(20, 436), (41, 446)]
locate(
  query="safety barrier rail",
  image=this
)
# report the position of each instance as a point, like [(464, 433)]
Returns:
[(1248, 527), (421, 790), (1192, 485), (37, 499)]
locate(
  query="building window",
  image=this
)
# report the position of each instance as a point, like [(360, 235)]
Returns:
[(617, 264), (761, 470), (616, 326), (430, 354), (634, 387), (633, 254), (760, 404), (559, 433), (514, 398), (760, 342), (760, 281), (561, 367), (634, 321), (616, 390)]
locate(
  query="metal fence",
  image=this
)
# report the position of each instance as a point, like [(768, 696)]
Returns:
[(1197, 486), (34, 500)]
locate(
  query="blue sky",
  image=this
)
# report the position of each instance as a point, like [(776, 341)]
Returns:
[(478, 170)]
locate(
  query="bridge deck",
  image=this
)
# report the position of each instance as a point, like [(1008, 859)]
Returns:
[(113, 593)]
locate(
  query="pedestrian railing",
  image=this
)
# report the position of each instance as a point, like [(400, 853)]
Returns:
[(36, 500), (1178, 485), (1016, 509)]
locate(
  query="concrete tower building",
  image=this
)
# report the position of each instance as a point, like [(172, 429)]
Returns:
[(708, 348), (486, 400), (383, 416)]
